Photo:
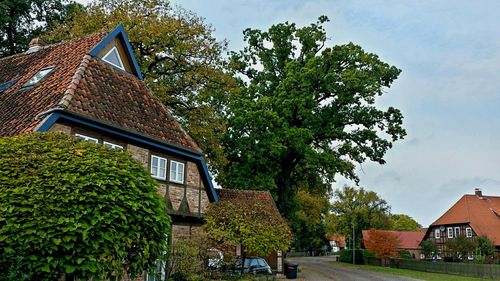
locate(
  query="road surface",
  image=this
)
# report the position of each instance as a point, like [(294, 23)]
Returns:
[(322, 269)]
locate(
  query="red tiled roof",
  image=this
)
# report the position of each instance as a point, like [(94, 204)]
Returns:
[(247, 196), (18, 107), (481, 213), (84, 85), (409, 239)]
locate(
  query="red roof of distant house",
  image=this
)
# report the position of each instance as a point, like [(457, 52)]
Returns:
[(410, 240), (84, 85), (340, 239), (482, 213)]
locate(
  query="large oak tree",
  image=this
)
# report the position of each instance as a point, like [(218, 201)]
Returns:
[(305, 109)]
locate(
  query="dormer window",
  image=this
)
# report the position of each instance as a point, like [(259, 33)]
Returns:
[(113, 58), (41, 74)]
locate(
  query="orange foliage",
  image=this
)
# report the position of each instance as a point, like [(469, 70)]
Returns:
[(383, 244)]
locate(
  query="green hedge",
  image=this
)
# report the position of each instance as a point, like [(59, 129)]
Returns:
[(346, 256), (77, 208)]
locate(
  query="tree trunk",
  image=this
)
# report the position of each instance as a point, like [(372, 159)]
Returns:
[(285, 194)]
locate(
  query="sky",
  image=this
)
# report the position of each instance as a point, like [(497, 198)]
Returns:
[(448, 91)]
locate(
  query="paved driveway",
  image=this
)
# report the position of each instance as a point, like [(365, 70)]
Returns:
[(322, 269)]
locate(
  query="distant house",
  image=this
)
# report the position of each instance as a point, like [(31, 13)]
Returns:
[(337, 242), (473, 215), (275, 259), (410, 240), (91, 87)]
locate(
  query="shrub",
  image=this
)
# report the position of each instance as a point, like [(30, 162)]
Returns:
[(346, 256), (405, 254), (78, 208)]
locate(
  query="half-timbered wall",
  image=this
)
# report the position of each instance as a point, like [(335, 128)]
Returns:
[(186, 200)]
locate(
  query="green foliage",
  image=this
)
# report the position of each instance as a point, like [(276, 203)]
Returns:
[(402, 222), (179, 57), (256, 226), (14, 267), (405, 254), (307, 221), (22, 20), (485, 246), (363, 208), (188, 259), (305, 107), (460, 247), (429, 248), (346, 255), (78, 208)]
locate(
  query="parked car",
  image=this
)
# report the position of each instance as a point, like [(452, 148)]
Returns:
[(253, 265)]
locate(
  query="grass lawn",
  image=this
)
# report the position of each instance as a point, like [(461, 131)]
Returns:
[(412, 273)]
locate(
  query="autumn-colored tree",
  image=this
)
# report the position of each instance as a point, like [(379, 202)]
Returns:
[(179, 57), (257, 227), (383, 244)]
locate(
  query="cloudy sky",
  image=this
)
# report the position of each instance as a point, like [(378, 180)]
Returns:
[(449, 90)]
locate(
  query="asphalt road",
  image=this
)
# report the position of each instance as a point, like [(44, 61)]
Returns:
[(322, 269)]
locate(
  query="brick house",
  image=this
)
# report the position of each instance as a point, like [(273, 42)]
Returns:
[(409, 240), (472, 215), (91, 87)]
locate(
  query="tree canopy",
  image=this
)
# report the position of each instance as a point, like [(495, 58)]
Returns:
[(76, 208), (403, 222), (180, 59), (365, 209), (303, 107), (22, 20)]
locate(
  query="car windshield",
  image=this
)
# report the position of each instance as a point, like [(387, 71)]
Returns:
[(248, 262)]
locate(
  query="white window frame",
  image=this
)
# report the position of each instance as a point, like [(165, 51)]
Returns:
[(450, 232), (112, 145), (157, 170), (119, 58), (87, 138), (437, 233), (456, 231), (468, 232), (176, 173)]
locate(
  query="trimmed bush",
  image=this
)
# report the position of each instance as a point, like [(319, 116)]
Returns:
[(78, 208), (346, 256)]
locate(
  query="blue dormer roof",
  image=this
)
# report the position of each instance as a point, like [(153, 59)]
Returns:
[(119, 32)]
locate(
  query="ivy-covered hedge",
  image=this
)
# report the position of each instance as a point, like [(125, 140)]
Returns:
[(77, 208)]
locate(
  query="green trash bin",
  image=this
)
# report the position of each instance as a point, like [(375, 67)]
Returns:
[(291, 270)]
